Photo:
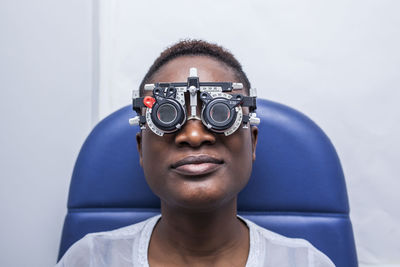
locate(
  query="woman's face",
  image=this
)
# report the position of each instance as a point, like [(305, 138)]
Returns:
[(195, 168)]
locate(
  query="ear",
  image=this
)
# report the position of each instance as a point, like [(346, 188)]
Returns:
[(254, 137), (139, 147)]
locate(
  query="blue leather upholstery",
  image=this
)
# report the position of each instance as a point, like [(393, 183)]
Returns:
[(297, 186)]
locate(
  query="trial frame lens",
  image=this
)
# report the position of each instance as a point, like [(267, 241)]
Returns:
[(167, 113), (220, 113)]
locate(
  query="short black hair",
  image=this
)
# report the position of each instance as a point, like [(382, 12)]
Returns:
[(197, 48)]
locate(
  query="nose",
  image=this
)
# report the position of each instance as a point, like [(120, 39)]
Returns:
[(194, 134)]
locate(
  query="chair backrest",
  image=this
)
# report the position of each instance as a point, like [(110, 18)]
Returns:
[(297, 186)]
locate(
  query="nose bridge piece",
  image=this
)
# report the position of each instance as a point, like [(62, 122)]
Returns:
[(194, 118), (193, 85), (193, 106)]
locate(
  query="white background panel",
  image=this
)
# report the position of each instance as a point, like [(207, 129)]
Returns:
[(45, 115)]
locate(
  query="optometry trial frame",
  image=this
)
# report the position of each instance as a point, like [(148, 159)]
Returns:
[(221, 112)]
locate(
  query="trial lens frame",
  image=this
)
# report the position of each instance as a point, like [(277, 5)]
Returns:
[(166, 109)]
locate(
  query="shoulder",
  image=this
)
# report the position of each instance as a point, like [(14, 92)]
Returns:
[(299, 250), (85, 251)]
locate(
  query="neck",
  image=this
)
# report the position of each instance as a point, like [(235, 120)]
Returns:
[(201, 233)]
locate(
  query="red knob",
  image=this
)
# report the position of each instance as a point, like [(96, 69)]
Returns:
[(149, 101)]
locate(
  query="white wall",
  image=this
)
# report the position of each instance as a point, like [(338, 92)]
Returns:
[(336, 61), (45, 114)]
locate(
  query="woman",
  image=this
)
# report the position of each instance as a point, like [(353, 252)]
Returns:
[(197, 173)]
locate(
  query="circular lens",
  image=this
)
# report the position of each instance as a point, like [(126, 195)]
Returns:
[(167, 113), (220, 113)]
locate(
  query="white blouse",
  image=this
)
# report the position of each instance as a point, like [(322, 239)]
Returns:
[(128, 246)]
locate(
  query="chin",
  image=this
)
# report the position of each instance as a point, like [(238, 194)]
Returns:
[(200, 201)]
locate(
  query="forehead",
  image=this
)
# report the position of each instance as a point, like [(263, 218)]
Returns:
[(208, 70)]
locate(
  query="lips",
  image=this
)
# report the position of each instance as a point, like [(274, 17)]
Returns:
[(197, 165)]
